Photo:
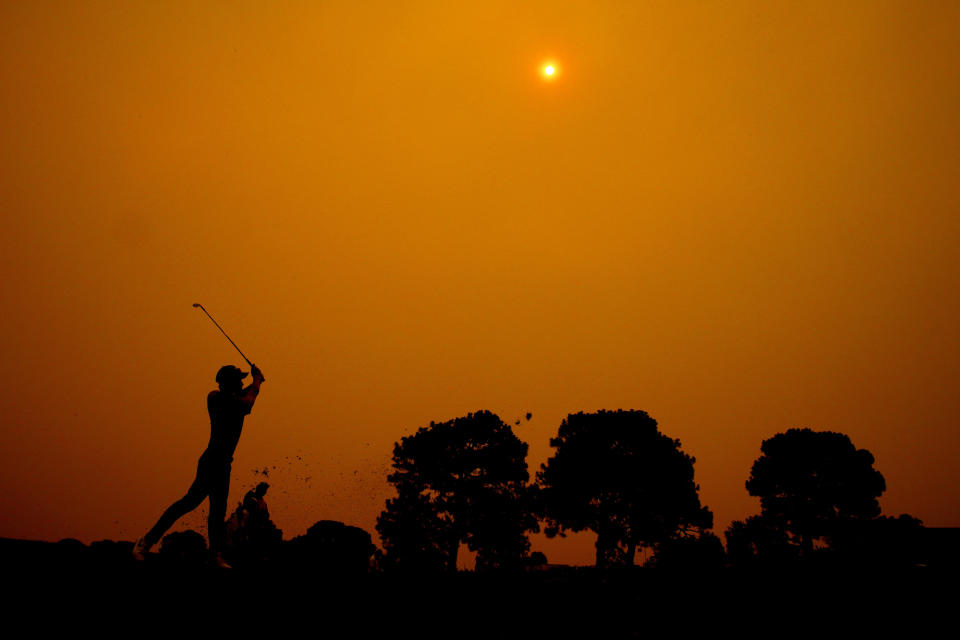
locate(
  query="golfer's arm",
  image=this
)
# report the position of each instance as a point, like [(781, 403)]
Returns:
[(249, 395)]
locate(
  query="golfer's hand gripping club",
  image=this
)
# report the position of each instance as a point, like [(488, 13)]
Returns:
[(253, 367)]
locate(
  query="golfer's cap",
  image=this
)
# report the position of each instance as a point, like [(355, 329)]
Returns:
[(230, 372)]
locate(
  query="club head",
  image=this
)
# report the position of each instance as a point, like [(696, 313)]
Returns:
[(196, 304)]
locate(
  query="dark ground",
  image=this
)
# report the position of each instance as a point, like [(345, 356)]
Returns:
[(73, 587)]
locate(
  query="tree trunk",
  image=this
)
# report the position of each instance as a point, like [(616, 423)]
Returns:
[(452, 550), (604, 543), (631, 552)]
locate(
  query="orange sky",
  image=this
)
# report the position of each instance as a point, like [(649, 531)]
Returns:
[(739, 218)]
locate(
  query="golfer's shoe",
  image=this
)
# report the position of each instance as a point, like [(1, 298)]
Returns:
[(218, 562), (140, 550)]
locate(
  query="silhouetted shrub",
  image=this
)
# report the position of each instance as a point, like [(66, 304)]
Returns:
[(70, 552), (756, 542), (882, 541), (536, 560), (184, 548), (111, 552), (702, 552), (330, 547)]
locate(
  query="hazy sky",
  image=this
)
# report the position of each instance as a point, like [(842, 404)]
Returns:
[(738, 217)]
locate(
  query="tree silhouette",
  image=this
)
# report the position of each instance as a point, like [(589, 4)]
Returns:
[(811, 482), (461, 481), (500, 525), (614, 473)]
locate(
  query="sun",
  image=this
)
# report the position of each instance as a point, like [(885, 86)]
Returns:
[(549, 70)]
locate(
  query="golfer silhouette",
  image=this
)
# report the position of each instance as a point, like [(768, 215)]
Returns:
[(227, 406)]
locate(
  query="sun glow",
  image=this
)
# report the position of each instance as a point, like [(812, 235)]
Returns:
[(549, 70)]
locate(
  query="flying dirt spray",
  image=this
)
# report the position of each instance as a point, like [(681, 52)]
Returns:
[(200, 306)]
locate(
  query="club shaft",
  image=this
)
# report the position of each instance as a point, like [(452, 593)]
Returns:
[(225, 334)]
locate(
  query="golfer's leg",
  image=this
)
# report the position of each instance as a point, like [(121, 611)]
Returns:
[(183, 506), (216, 529)]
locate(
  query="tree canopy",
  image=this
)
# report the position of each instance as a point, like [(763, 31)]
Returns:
[(809, 482), (461, 481), (614, 473)]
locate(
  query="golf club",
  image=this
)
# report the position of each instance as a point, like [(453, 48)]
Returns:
[(200, 306)]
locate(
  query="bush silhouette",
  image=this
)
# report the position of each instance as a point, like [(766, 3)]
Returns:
[(184, 547), (758, 542), (330, 547), (690, 553)]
